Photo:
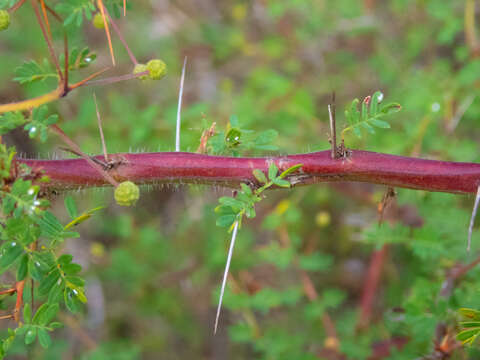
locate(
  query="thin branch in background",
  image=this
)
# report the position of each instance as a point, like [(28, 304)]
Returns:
[(8, 291), (387, 198), (44, 11), (179, 108), (115, 79), (472, 219), (104, 146), (16, 6), (464, 105), (370, 287), (87, 80), (65, 45), (469, 27), (107, 29), (47, 39), (122, 39), (225, 275)]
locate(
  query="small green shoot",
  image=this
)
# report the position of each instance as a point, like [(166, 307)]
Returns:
[(368, 117)]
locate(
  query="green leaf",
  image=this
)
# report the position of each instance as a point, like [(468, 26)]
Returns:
[(367, 126), (260, 176), (30, 335), (391, 108), (48, 282), (470, 324), (470, 313), (10, 121), (468, 336), (22, 269), (9, 252), (75, 10), (55, 293), (71, 298), (379, 123), (281, 183), (226, 220), (65, 259), (44, 338), (45, 314), (272, 171), (31, 71), (56, 325), (374, 101), (71, 207), (27, 313), (71, 269), (233, 137), (290, 170)]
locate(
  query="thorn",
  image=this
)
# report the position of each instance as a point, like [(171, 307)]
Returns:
[(333, 128), (225, 274), (472, 219), (104, 146), (179, 109)]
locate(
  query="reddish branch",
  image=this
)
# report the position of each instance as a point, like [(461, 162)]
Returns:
[(181, 167)]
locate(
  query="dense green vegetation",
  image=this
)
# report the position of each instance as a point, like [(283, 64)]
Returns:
[(329, 271)]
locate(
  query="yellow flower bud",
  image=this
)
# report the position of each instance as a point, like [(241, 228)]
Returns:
[(4, 20), (157, 69), (139, 68), (126, 193), (98, 21)]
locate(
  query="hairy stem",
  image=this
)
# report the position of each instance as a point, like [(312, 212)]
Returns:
[(183, 167)]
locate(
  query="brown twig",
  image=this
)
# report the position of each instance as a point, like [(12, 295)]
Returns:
[(175, 167), (19, 286), (47, 39), (122, 39), (370, 287)]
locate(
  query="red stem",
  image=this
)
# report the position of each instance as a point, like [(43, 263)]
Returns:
[(182, 167), (371, 285)]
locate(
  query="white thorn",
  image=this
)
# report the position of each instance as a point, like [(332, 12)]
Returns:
[(472, 219), (225, 274), (179, 108)]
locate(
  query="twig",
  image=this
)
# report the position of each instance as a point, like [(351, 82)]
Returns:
[(122, 39), (107, 29), (8, 291), (371, 284), (16, 6), (115, 79), (19, 303), (179, 108), (175, 167), (104, 146), (225, 274), (47, 40)]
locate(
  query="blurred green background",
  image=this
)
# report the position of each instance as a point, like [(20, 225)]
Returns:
[(154, 271)]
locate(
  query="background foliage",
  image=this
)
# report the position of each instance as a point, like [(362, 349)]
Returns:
[(153, 272)]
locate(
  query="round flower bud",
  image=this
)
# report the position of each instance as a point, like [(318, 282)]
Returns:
[(157, 69), (126, 193), (98, 21), (139, 68), (4, 20)]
